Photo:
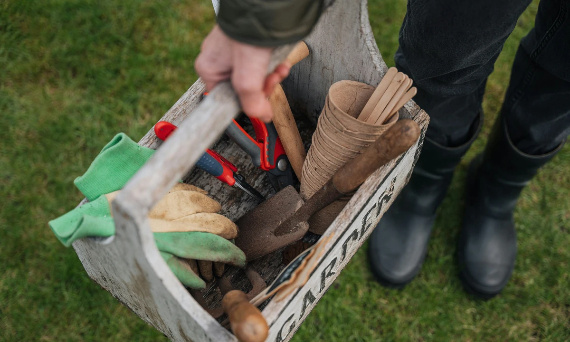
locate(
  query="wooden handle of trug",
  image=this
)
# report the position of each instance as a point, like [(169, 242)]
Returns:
[(401, 136), (246, 321), (287, 129), (299, 52)]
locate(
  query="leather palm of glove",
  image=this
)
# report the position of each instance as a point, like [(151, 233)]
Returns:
[(188, 233)]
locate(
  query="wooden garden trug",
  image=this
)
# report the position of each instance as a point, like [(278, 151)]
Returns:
[(129, 266)]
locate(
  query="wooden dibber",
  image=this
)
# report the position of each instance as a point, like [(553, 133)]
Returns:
[(246, 321), (401, 136), (394, 142), (282, 220), (283, 117), (286, 127)]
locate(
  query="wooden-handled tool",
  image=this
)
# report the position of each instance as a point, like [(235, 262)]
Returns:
[(283, 117), (395, 141), (299, 52), (286, 127), (401, 136), (246, 321), (282, 219)]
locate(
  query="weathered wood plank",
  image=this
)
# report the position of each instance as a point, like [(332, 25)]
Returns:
[(342, 47), (350, 229)]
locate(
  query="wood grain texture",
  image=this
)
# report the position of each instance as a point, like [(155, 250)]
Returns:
[(342, 47), (405, 98), (396, 82), (398, 139), (406, 84), (129, 265), (299, 52)]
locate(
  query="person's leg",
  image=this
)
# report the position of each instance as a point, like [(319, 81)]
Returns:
[(534, 122), (448, 48)]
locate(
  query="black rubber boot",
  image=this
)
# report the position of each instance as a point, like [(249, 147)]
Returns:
[(487, 244), (398, 244)]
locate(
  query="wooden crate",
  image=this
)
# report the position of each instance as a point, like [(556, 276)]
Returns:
[(129, 266)]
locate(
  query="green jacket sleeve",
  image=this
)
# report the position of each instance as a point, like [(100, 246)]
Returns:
[(268, 22)]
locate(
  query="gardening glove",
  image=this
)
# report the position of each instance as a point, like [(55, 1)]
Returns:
[(117, 162), (184, 224)]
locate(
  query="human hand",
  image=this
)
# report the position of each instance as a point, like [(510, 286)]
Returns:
[(223, 58)]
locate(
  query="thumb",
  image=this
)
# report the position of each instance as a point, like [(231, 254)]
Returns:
[(248, 79), (250, 90)]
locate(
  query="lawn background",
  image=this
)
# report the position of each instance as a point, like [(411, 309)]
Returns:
[(74, 73)]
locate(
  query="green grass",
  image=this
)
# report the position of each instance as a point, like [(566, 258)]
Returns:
[(74, 73)]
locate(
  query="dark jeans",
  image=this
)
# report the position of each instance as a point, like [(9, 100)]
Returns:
[(449, 48)]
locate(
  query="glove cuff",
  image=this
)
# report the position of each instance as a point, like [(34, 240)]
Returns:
[(117, 162), (91, 219)]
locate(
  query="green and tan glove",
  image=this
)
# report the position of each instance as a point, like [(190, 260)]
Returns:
[(189, 234)]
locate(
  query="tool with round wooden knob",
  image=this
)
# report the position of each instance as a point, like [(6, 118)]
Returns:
[(246, 321)]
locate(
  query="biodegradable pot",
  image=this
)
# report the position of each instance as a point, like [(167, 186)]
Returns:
[(333, 150), (339, 136), (339, 124), (346, 99)]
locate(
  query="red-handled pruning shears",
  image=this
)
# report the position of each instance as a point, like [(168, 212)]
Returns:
[(266, 151), (213, 163)]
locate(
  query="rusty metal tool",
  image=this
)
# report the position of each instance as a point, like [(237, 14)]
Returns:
[(267, 228)]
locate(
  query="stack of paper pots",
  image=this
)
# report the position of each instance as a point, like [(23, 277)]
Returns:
[(339, 136)]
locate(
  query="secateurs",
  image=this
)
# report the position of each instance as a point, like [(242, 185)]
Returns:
[(213, 163), (266, 150)]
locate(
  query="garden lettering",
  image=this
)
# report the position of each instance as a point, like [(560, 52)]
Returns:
[(339, 254)]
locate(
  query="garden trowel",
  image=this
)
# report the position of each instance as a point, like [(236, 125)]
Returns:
[(282, 219)]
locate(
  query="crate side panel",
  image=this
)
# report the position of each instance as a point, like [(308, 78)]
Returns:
[(351, 228)]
